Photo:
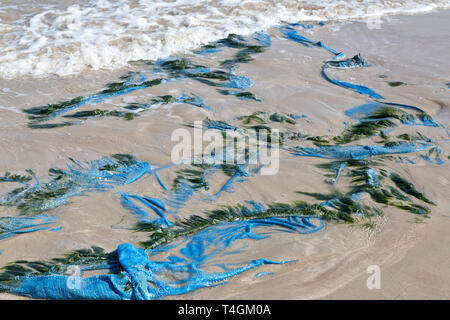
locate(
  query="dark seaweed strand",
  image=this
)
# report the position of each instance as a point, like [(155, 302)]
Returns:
[(370, 125), (360, 182), (408, 188), (32, 201), (261, 117), (375, 123), (196, 176), (243, 56), (197, 223), (38, 114), (97, 258), (94, 257), (13, 177), (174, 68)]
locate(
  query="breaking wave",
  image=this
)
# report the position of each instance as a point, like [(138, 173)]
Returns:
[(54, 37)]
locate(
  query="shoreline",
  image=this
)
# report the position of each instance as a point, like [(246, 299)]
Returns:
[(331, 263)]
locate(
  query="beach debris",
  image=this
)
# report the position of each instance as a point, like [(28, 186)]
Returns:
[(356, 152), (356, 62), (396, 83), (12, 226), (80, 178), (139, 274)]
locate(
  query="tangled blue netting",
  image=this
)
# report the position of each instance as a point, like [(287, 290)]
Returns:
[(189, 264)]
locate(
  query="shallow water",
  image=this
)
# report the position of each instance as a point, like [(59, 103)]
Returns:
[(287, 79), (67, 37)]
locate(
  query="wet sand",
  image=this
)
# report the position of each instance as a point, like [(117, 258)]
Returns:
[(332, 263)]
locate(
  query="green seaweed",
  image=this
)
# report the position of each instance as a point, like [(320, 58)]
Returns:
[(408, 188), (244, 55), (101, 113), (254, 117), (363, 130), (197, 177), (396, 83), (278, 117), (13, 177), (50, 125), (196, 223), (240, 94), (318, 140), (45, 111), (93, 256)]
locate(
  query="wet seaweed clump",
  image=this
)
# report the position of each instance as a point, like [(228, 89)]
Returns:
[(13, 177), (356, 61), (43, 112), (367, 178), (196, 223), (379, 120), (261, 117), (99, 175), (195, 177), (396, 83), (83, 258), (101, 113), (408, 188)]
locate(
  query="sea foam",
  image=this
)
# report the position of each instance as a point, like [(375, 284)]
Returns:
[(53, 38)]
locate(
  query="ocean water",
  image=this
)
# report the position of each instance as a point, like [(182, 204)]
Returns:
[(44, 37), (71, 98)]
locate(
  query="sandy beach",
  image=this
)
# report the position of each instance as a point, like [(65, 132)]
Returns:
[(410, 249)]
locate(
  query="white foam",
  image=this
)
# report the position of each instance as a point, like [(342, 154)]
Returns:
[(107, 34)]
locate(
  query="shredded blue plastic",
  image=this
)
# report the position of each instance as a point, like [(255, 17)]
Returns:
[(195, 101), (356, 152), (239, 82), (263, 274), (373, 178), (196, 265), (263, 38), (156, 205), (82, 177), (12, 226), (367, 109), (357, 88)]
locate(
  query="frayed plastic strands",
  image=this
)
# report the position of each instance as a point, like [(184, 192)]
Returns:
[(139, 280), (194, 100), (12, 226), (292, 34), (139, 277), (357, 88), (174, 69), (100, 175), (263, 38), (356, 152), (374, 111), (45, 113), (263, 274), (355, 62), (156, 205), (239, 82)]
